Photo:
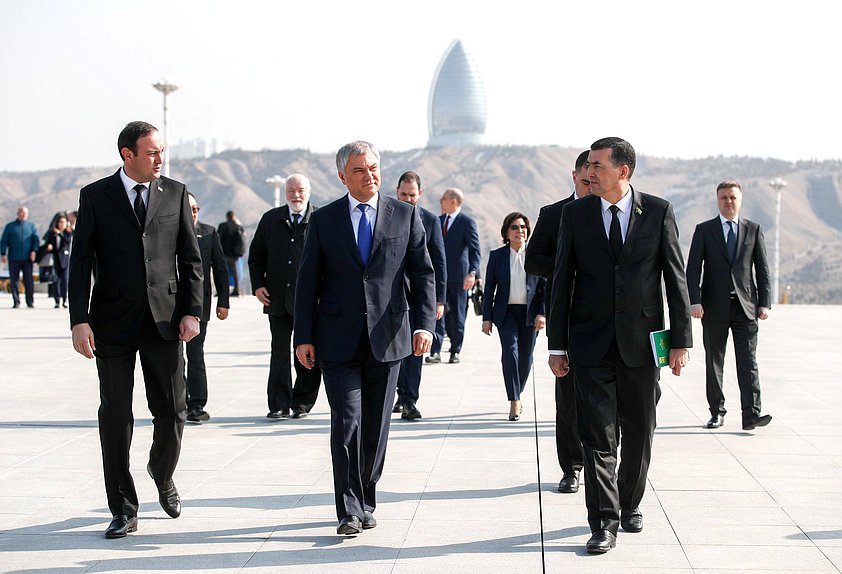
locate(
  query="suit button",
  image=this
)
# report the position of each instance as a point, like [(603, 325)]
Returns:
[(616, 268), (292, 240), (616, 312), (365, 278), (617, 290), (147, 260), (149, 284), (146, 235), (289, 262), (287, 284)]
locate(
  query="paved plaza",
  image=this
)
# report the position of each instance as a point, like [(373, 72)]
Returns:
[(460, 488)]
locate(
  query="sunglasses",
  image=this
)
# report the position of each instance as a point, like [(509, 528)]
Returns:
[(516, 227), (195, 209)]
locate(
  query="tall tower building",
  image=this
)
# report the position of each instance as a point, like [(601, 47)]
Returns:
[(457, 110)]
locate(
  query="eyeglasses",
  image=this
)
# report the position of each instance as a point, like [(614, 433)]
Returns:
[(516, 227), (195, 209)]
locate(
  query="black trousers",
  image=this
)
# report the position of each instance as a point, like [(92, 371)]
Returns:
[(60, 285), (197, 377), (567, 443), (281, 394), (715, 338), (360, 393), (453, 322), (609, 394), (15, 269), (163, 375)]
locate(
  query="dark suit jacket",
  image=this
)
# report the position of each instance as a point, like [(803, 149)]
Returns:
[(435, 247), (337, 297), (596, 300), (497, 285), (274, 256), (461, 247), (158, 268), (540, 251), (61, 248), (708, 251), (212, 259)]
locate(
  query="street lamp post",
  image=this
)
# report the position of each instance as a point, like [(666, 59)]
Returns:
[(165, 88), (777, 184), (277, 182)]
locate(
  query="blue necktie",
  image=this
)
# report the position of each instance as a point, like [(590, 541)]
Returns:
[(731, 242), (364, 233)]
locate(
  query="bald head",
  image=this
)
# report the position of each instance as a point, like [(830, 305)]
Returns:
[(298, 192)]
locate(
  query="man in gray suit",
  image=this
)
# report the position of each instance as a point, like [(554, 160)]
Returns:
[(353, 316), (728, 280)]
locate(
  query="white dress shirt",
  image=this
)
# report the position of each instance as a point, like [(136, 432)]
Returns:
[(129, 183), (517, 277), (625, 206)]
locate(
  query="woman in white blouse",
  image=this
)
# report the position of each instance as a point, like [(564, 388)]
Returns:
[(514, 302)]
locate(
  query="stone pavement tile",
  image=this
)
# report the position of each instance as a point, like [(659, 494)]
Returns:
[(825, 536), (791, 467), (502, 553), (741, 535), (760, 442), (801, 484), (676, 462), (758, 558), (212, 500), (473, 506), (301, 532), (210, 529), (327, 550), (143, 553), (707, 481), (56, 553), (570, 555), (687, 517), (39, 482), (834, 554), (691, 498), (500, 449)]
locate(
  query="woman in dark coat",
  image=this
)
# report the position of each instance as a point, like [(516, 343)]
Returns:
[(57, 241), (514, 302)]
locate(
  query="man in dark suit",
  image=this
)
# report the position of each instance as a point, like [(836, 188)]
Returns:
[(213, 266), (614, 248), (147, 298), (274, 256), (461, 250), (352, 315), (409, 381), (540, 260), (728, 278), (232, 237)]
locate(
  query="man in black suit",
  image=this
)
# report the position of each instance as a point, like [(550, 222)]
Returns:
[(614, 248), (728, 278), (215, 271), (462, 252), (540, 260), (353, 317), (138, 227), (232, 237), (409, 381), (274, 256)]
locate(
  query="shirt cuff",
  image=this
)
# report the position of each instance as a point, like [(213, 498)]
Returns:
[(558, 353), (415, 332)]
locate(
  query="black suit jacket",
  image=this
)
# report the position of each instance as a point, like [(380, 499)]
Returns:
[(213, 259), (337, 297), (596, 300), (461, 247), (274, 257), (435, 247), (708, 253), (158, 268), (540, 251), (498, 280)]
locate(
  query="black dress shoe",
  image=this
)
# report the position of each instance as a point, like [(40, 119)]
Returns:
[(121, 525), (716, 421), (167, 495), (756, 421), (410, 412), (601, 542), (569, 483), (197, 415), (632, 520), (454, 358), (398, 408), (275, 415), (369, 521), (433, 359), (350, 525), (299, 413)]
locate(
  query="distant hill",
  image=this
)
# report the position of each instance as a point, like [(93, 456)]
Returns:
[(498, 180)]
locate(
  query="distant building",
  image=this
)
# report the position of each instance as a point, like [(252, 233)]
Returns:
[(457, 109), (191, 149)]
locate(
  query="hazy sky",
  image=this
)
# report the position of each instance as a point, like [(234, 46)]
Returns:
[(676, 79)]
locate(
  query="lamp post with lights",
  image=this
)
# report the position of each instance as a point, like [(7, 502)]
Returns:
[(777, 184), (277, 182), (165, 88)]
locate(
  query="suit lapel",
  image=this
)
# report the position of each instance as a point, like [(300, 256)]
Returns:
[(117, 193), (284, 218), (594, 215), (342, 216), (742, 236), (382, 223), (156, 197), (719, 236), (637, 213)]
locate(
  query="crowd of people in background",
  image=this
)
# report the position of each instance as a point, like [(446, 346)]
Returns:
[(357, 292)]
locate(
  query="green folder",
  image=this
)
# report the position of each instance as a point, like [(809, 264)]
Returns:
[(660, 341)]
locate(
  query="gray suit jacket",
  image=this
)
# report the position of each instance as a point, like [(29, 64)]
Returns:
[(711, 276)]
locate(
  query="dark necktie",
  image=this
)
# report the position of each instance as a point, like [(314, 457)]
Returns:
[(139, 206), (444, 226), (296, 217), (731, 242), (615, 235), (364, 233)]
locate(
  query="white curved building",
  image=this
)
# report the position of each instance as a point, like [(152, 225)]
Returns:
[(457, 108)]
